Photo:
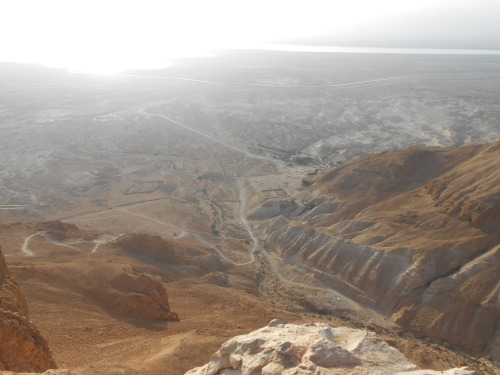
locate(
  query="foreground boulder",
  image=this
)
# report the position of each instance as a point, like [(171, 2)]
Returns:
[(22, 347), (313, 348)]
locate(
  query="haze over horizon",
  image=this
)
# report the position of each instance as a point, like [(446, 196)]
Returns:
[(118, 35)]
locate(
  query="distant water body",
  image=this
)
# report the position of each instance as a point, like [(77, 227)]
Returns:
[(165, 63), (413, 51)]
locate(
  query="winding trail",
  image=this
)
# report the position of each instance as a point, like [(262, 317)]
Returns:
[(143, 111), (146, 217), (16, 206), (260, 84), (97, 243), (324, 86), (243, 219), (116, 208), (200, 239), (255, 243), (25, 249), (217, 249), (102, 241)]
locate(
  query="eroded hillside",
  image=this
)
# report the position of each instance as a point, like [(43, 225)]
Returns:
[(413, 233)]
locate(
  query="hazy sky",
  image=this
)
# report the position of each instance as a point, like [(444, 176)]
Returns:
[(107, 35)]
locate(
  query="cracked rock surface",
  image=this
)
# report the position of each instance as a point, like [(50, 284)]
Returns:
[(312, 348)]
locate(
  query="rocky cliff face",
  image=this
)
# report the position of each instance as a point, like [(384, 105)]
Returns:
[(314, 348), (22, 347), (414, 232)]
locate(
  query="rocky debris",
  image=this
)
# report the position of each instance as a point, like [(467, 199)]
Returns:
[(310, 349), (22, 347)]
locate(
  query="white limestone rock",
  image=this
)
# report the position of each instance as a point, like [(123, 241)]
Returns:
[(310, 349)]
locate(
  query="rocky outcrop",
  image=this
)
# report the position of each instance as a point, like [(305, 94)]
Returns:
[(137, 295), (120, 289), (22, 347), (314, 348), (11, 297), (413, 232)]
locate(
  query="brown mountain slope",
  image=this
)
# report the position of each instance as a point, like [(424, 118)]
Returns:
[(22, 347), (413, 232), (215, 301), (463, 179)]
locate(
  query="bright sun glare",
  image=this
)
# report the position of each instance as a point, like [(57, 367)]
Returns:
[(108, 35)]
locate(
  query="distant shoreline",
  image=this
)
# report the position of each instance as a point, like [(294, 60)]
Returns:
[(340, 49)]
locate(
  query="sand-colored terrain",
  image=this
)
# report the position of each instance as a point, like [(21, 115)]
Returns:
[(148, 219), (88, 331)]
